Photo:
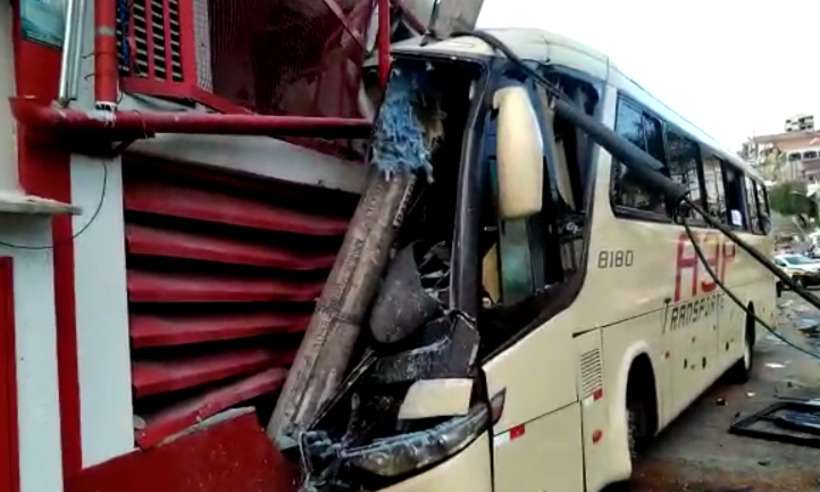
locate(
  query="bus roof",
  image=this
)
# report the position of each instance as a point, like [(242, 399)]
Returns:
[(545, 47)]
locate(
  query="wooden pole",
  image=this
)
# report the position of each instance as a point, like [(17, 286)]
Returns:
[(325, 351)]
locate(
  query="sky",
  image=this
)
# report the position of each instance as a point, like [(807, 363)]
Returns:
[(735, 68)]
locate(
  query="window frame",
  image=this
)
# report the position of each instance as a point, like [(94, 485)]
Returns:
[(623, 211), (750, 187), (725, 164), (695, 219), (708, 154)]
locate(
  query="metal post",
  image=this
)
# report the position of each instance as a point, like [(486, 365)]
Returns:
[(76, 61), (105, 55), (66, 69)]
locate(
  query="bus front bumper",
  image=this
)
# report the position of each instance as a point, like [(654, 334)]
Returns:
[(466, 471)]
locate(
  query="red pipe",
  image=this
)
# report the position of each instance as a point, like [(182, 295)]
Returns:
[(105, 54), (384, 41), (139, 124)]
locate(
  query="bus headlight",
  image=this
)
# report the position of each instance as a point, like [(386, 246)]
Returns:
[(397, 455)]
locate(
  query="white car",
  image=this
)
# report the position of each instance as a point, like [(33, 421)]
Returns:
[(802, 269)]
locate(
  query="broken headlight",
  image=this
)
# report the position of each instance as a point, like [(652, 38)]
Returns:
[(397, 455)]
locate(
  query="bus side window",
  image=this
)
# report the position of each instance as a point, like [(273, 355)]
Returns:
[(713, 184), (644, 131), (763, 194), (751, 200), (684, 165), (763, 208), (735, 201)]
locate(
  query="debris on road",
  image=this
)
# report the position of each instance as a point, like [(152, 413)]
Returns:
[(793, 422)]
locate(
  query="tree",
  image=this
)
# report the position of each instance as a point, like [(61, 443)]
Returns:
[(789, 198)]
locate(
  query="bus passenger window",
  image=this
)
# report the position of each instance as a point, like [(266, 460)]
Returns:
[(644, 131), (763, 193), (754, 214), (763, 208), (735, 202), (713, 184), (684, 163)]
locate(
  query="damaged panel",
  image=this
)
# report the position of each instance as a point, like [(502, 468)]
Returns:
[(150, 377), (168, 421), (144, 286), (152, 241), (223, 271), (181, 329), (181, 201)]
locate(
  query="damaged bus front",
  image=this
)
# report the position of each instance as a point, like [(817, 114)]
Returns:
[(491, 246)]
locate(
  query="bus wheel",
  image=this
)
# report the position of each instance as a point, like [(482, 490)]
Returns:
[(637, 427), (641, 406), (742, 370)]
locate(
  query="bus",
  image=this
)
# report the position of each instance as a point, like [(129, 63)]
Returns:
[(597, 323)]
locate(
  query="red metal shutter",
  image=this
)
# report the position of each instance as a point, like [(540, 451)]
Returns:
[(223, 271)]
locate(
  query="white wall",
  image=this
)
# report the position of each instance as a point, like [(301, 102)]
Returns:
[(38, 406), (103, 355), (8, 138)]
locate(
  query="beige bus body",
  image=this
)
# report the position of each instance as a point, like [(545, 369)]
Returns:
[(564, 423)]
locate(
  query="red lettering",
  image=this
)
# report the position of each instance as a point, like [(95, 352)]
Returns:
[(685, 262), (713, 261), (729, 253)]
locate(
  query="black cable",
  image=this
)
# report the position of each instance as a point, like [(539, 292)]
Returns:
[(78, 233), (757, 255), (737, 300)]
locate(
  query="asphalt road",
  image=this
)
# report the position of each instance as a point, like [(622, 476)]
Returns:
[(697, 454)]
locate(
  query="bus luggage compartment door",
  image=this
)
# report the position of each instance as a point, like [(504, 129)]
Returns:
[(543, 454)]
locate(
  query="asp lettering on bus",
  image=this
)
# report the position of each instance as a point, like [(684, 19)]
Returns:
[(693, 282), (691, 277)]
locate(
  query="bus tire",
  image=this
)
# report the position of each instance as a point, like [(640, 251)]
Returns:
[(741, 371), (641, 406)]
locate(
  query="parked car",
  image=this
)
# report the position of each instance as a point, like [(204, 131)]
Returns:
[(803, 270)]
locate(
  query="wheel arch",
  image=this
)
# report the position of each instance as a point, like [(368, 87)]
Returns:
[(637, 353)]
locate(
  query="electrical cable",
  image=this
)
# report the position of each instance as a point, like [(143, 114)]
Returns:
[(79, 232), (757, 255), (645, 167), (737, 300)]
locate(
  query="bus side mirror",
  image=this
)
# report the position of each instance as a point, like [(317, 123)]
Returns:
[(519, 154)]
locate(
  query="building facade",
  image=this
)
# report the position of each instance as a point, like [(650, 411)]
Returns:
[(788, 156), (172, 195)]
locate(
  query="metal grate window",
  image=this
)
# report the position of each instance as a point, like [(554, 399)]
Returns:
[(154, 45)]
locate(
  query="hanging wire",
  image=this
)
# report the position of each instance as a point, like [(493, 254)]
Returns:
[(80, 232)]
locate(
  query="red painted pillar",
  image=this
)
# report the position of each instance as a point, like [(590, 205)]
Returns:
[(105, 54), (384, 41), (9, 461)]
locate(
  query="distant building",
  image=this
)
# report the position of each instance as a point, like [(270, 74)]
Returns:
[(799, 123), (789, 156)]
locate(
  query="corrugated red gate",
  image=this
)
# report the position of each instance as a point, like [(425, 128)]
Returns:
[(223, 271)]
